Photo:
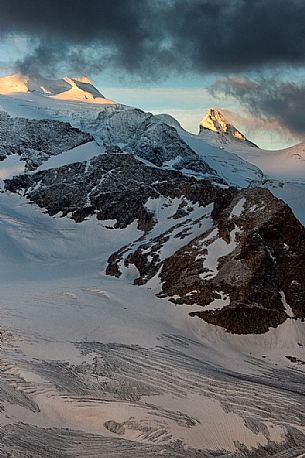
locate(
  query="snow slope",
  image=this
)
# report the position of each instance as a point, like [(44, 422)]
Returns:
[(78, 154), (286, 164), (284, 172), (235, 170), (292, 193)]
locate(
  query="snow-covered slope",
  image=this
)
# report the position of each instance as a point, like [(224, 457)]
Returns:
[(286, 164), (231, 167), (284, 172)]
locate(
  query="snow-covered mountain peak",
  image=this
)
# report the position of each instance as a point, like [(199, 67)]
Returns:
[(71, 89), (13, 83), (82, 79), (215, 121)]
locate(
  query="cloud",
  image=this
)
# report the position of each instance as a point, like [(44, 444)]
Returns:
[(276, 103), (152, 38)]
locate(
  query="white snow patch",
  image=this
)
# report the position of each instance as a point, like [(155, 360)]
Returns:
[(129, 273), (170, 164), (80, 153), (191, 292), (217, 249), (11, 166), (219, 303), (288, 309), (238, 208), (253, 208)]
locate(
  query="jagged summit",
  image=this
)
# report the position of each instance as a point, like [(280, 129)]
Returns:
[(78, 89), (215, 121)]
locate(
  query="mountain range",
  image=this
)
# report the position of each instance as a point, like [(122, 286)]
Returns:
[(153, 297)]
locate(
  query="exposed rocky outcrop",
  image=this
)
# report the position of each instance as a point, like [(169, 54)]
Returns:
[(257, 278), (113, 186), (35, 141), (147, 136)]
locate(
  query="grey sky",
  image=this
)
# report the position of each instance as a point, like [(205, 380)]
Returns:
[(145, 46)]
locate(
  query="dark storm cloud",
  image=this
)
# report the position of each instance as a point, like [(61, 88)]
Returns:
[(282, 102), (147, 37)]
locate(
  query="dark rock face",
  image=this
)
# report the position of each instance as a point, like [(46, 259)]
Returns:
[(113, 186), (263, 270), (243, 319), (35, 141)]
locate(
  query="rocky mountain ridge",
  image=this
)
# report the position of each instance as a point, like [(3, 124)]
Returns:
[(219, 248), (148, 137)]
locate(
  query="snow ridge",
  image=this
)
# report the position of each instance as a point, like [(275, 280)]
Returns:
[(74, 89)]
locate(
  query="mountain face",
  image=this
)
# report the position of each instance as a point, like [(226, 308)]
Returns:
[(152, 289), (74, 89), (215, 121), (257, 279), (35, 141), (149, 138), (240, 255), (232, 247)]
